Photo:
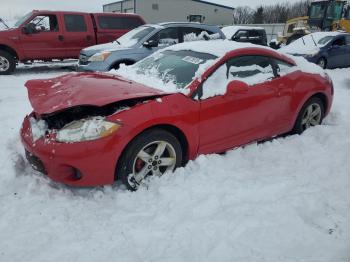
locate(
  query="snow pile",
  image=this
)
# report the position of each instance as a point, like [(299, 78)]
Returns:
[(307, 45), (230, 31), (283, 200)]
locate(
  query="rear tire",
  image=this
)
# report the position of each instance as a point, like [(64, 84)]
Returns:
[(7, 63), (311, 114), (152, 153)]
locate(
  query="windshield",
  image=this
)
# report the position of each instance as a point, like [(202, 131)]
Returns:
[(22, 20), (325, 40), (317, 10), (169, 69), (329, 10), (134, 36), (334, 10)]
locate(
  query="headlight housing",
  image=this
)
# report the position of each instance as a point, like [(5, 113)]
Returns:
[(99, 57), (86, 129)]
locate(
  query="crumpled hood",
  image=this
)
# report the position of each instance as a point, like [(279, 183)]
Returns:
[(76, 89), (90, 51)]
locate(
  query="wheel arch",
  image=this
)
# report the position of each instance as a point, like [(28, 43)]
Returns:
[(174, 130), (122, 61), (319, 95), (10, 50)]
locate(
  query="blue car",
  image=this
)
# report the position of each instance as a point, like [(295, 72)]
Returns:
[(142, 42), (327, 49)]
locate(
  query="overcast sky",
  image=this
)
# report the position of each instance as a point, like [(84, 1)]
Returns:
[(14, 8)]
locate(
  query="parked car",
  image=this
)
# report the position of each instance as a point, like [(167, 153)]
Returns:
[(327, 49), (90, 129), (247, 34), (47, 35), (141, 42)]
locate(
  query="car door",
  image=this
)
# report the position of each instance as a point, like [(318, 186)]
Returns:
[(78, 33), (163, 38), (40, 37), (336, 53), (230, 120)]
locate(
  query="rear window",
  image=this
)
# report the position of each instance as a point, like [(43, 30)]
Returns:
[(75, 23), (115, 22)]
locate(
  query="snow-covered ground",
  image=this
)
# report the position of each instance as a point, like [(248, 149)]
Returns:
[(283, 200)]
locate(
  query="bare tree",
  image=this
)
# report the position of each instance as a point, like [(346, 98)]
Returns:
[(243, 15), (277, 13)]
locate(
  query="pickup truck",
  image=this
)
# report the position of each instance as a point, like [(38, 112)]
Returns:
[(48, 35)]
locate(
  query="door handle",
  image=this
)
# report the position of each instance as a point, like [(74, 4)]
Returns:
[(61, 37), (89, 37)]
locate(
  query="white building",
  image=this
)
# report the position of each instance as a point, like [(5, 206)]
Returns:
[(155, 11)]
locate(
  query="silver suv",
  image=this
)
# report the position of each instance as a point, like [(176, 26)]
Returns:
[(141, 42)]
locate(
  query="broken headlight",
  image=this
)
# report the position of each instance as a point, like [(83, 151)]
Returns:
[(86, 129)]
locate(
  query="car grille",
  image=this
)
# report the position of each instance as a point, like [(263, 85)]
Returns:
[(83, 59), (35, 162)]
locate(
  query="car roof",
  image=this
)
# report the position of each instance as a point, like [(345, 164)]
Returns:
[(220, 48)]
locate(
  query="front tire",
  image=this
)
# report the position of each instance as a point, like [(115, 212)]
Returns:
[(152, 153), (7, 63), (322, 62), (311, 114)]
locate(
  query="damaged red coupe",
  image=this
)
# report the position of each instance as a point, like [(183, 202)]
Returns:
[(90, 129)]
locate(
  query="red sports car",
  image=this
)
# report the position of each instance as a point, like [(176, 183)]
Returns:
[(90, 129)]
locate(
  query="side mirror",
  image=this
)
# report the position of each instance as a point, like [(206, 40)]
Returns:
[(150, 44), (25, 30), (236, 87)]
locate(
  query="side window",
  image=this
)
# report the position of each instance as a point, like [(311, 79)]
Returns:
[(192, 34), (168, 36), (283, 68), (43, 23), (75, 23), (241, 35), (339, 42), (249, 69), (115, 22)]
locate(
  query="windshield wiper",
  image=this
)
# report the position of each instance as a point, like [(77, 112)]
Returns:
[(3, 22), (313, 40)]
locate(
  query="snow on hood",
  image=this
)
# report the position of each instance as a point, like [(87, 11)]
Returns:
[(112, 46), (230, 31), (307, 45), (76, 89)]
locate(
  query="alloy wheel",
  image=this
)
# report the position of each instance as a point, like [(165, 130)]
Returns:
[(154, 159), (312, 116), (4, 64)]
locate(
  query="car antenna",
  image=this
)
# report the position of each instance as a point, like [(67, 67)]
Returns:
[(313, 39)]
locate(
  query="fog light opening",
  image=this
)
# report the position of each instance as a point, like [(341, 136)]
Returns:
[(77, 174)]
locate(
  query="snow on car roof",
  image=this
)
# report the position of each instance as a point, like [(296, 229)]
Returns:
[(215, 47), (229, 31), (307, 44)]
